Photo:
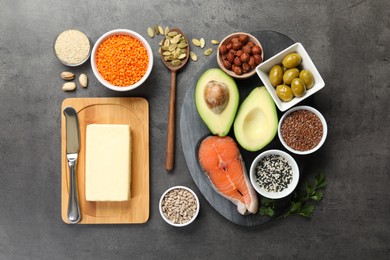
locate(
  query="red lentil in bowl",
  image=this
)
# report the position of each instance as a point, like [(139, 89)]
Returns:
[(302, 130), (121, 60)]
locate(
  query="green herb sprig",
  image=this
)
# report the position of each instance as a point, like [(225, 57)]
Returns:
[(300, 203)]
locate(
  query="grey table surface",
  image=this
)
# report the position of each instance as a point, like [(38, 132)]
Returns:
[(349, 42)]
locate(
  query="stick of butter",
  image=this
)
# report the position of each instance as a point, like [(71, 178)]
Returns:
[(108, 164)]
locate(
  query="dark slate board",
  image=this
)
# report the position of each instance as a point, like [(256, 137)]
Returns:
[(192, 130)]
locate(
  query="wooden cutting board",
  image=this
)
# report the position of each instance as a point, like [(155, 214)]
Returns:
[(130, 111)]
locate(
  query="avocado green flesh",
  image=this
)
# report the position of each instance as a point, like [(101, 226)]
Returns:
[(218, 124), (256, 122)]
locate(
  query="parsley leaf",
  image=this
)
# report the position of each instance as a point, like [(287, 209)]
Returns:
[(295, 206), (267, 211), (267, 207), (320, 181), (299, 201), (317, 196), (306, 211)]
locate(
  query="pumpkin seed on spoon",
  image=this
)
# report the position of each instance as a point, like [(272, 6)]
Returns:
[(176, 60)]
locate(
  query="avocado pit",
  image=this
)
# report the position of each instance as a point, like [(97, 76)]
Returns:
[(216, 99), (216, 95)]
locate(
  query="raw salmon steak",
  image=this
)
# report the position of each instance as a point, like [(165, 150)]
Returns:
[(222, 162)]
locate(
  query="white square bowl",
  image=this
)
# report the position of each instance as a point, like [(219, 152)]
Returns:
[(263, 70)]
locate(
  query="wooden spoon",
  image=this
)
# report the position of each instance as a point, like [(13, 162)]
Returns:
[(170, 149)]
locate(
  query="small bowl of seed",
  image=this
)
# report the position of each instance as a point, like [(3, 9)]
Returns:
[(179, 206), (274, 174), (302, 130), (72, 47)]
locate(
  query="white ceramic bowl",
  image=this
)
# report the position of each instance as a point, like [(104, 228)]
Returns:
[(275, 195), (72, 64), (171, 222), (121, 32), (324, 133), (228, 39), (307, 64)]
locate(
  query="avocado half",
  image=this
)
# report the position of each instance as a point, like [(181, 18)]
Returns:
[(256, 122), (216, 99)]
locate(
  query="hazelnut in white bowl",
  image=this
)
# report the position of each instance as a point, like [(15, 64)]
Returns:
[(239, 54)]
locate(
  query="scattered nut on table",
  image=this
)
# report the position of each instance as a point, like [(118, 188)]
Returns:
[(66, 75), (83, 79), (69, 86)]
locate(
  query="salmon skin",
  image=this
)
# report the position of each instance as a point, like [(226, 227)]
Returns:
[(221, 161)]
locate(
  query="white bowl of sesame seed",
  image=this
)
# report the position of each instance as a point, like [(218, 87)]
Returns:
[(302, 130), (72, 47), (274, 174)]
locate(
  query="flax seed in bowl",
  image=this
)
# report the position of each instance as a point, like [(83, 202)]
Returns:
[(72, 47), (302, 130)]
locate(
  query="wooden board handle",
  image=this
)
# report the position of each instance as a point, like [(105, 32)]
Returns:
[(170, 150)]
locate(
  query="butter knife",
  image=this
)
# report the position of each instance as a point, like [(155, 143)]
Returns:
[(72, 150)]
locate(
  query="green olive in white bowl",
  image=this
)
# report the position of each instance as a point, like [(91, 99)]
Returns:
[(314, 81)]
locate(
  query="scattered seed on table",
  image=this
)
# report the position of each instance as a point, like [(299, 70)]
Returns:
[(202, 42), (208, 51), (193, 56), (196, 42), (150, 32), (160, 30)]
